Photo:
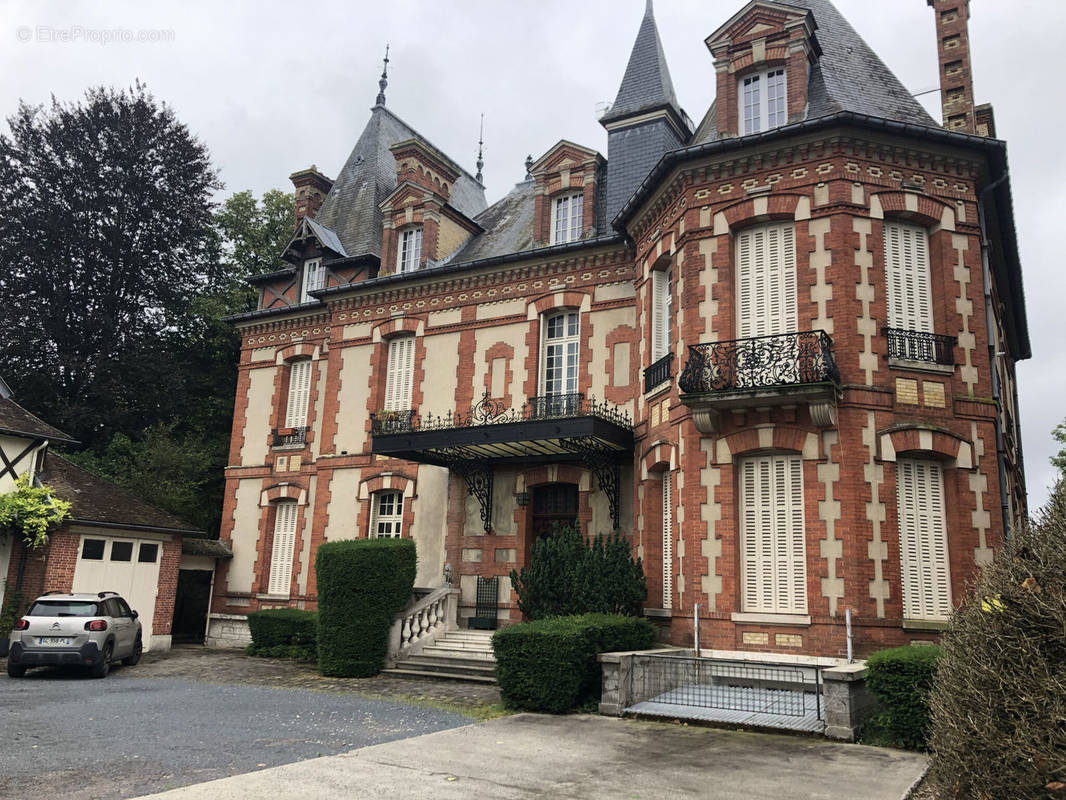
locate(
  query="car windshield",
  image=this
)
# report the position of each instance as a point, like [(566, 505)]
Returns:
[(62, 608)]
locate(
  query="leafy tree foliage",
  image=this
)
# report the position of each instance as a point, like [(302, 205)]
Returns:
[(29, 512), (568, 574), (999, 698), (117, 269), (104, 240), (1059, 459)]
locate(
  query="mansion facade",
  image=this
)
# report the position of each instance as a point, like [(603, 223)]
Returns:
[(774, 348)]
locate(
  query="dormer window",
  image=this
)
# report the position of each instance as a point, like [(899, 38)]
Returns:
[(762, 101), (567, 211), (410, 251), (313, 279)]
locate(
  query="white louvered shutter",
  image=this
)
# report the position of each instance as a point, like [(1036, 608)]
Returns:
[(910, 304), (766, 280), (923, 544), (400, 375), (774, 569), (299, 392), (668, 540), (281, 553), (658, 317)]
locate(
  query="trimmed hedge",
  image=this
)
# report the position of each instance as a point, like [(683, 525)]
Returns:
[(283, 633), (571, 574), (901, 679), (550, 664), (362, 584)]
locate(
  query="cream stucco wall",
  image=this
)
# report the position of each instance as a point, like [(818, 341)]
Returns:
[(12, 447), (430, 524), (257, 417), (603, 324), (245, 534), (438, 389), (352, 398), (513, 335), (342, 509)]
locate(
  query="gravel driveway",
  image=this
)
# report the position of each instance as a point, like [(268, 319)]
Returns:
[(195, 716)]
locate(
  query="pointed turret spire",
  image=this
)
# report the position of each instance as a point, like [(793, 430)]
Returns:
[(646, 83), (480, 144), (384, 82)]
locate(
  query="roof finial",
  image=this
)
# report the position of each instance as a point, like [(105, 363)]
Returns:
[(648, 9), (480, 143), (529, 166), (385, 78)]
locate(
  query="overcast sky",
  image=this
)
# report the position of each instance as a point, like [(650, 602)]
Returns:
[(273, 87)]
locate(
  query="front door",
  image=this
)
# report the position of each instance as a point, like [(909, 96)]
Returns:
[(554, 506)]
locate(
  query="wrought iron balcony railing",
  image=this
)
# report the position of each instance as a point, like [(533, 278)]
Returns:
[(787, 359), (659, 372), (488, 411), (287, 436), (918, 346)]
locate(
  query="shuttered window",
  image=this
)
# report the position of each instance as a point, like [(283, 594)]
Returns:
[(560, 353), (386, 515), (400, 373), (299, 392), (763, 101), (766, 280), (661, 308), (910, 303), (284, 543), (668, 540), (774, 566), (923, 541)]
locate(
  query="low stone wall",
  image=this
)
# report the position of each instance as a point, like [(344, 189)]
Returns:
[(228, 630), (845, 698)]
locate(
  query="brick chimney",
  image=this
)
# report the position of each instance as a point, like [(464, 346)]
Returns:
[(311, 188), (956, 77)]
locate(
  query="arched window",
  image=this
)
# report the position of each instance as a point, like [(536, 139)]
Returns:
[(299, 393), (923, 539), (386, 515), (766, 280), (560, 348)]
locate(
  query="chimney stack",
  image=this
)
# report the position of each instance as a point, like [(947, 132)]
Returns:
[(956, 77), (311, 188)]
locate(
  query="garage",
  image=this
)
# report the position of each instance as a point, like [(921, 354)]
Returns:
[(127, 566)]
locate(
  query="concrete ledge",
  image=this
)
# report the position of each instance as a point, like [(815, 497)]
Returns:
[(755, 618)]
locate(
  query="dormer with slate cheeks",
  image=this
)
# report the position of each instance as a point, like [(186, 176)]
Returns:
[(757, 44), (419, 225), (566, 182)]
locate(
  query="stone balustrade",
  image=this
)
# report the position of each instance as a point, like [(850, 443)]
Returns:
[(419, 625)]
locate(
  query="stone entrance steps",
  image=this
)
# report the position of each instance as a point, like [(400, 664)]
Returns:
[(457, 655)]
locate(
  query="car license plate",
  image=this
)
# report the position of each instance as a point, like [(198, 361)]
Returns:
[(53, 641)]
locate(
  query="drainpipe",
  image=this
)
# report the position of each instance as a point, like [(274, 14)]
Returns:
[(696, 629), (994, 349)]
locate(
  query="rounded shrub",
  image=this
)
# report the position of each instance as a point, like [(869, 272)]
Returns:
[(999, 701), (901, 679), (362, 584), (283, 633), (550, 664)]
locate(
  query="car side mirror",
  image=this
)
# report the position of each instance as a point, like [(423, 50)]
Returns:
[(134, 614)]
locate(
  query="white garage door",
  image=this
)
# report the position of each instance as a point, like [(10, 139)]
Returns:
[(127, 566)]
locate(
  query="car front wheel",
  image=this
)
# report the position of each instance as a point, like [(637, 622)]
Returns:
[(101, 668), (135, 655)]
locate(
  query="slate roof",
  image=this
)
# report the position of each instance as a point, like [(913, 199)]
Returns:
[(848, 76), (508, 225), (646, 83), (351, 210), (14, 419), (95, 500)]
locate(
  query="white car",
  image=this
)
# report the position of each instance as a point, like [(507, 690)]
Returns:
[(90, 630)]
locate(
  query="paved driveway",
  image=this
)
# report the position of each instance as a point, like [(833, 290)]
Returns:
[(585, 757), (162, 724)]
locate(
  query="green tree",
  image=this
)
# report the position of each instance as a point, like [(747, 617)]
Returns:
[(1059, 459), (105, 239)]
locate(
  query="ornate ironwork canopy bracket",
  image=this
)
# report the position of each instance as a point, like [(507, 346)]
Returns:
[(606, 468), (479, 481)]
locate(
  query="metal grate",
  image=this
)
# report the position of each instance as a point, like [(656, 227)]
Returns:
[(487, 603), (785, 359), (733, 686), (659, 372), (292, 436), (918, 346)]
